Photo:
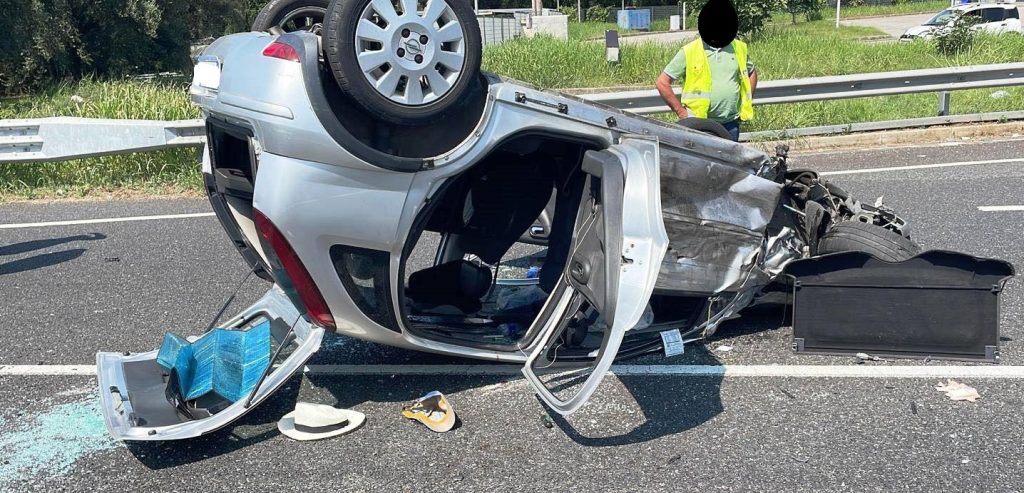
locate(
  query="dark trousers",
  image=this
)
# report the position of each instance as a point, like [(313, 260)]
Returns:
[(734, 129)]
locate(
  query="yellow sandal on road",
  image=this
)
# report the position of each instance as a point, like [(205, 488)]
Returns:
[(433, 410)]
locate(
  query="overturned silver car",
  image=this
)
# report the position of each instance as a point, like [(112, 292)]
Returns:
[(331, 161)]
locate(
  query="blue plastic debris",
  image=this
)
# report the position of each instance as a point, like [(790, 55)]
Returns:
[(228, 362)]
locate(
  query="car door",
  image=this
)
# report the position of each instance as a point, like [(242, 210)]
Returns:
[(992, 19), (618, 246), (1012, 20), (974, 18)]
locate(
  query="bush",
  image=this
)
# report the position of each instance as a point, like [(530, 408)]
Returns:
[(571, 12), (958, 38), (810, 9), (51, 40), (597, 13), (753, 14)]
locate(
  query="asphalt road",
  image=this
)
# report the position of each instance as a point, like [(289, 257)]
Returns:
[(894, 25), (71, 291)]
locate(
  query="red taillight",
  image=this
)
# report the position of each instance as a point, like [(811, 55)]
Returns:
[(300, 279), (281, 50)]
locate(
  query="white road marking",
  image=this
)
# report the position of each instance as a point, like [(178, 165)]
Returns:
[(1001, 208), (921, 166), (105, 220), (730, 371), (46, 370), (776, 371)]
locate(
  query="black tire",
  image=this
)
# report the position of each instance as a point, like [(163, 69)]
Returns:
[(281, 16), (855, 236), (710, 127), (340, 47)]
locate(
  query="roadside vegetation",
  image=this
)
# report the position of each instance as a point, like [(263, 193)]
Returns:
[(166, 172), (853, 10), (781, 50)]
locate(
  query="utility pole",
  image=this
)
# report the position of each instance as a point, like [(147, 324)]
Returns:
[(538, 7), (838, 6)]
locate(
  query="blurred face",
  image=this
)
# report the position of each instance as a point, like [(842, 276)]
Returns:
[(718, 23)]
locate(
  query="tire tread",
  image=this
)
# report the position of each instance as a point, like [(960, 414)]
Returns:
[(868, 238)]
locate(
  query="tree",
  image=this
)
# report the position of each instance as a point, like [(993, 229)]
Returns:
[(811, 9), (47, 40), (753, 14)]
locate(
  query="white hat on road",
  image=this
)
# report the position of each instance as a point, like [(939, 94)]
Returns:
[(317, 421)]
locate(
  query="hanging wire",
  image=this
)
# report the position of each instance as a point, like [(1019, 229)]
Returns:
[(231, 298)]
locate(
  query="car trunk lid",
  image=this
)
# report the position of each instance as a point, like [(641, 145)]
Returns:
[(134, 388)]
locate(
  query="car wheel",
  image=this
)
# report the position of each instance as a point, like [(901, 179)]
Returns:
[(285, 16), (707, 126), (856, 236), (400, 65)]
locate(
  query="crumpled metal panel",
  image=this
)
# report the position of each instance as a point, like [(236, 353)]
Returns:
[(716, 217)]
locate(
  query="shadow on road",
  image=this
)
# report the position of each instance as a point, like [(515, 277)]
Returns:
[(45, 259), (162, 455), (668, 405), (31, 246), (666, 409)]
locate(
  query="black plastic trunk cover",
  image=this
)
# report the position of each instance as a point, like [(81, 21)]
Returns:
[(938, 304)]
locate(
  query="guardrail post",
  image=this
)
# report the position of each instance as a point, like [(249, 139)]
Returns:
[(611, 46), (944, 98)]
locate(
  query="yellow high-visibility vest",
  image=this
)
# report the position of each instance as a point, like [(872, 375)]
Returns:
[(697, 85)]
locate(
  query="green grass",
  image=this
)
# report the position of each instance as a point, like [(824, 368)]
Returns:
[(786, 51), (805, 50), (780, 117), (164, 172), (917, 7)]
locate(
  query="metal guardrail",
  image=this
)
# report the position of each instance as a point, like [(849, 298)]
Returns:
[(850, 128), (843, 86), (64, 138), (58, 139)]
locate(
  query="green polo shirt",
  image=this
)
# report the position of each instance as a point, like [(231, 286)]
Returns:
[(725, 80)]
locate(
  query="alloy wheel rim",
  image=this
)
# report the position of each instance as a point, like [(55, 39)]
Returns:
[(410, 57)]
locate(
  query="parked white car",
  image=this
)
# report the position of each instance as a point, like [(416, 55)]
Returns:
[(989, 17)]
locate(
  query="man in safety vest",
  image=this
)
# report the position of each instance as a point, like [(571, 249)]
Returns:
[(717, 75)]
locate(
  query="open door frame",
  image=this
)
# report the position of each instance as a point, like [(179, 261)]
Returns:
[(618, 246)]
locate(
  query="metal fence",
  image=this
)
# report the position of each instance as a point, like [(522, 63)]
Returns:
[(658, 12), (56, 139), (499, 28)]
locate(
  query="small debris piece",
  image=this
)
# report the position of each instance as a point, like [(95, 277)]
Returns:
[(787, 393), (433, 410), (112, 259), (547, 421), (1000, 94), (801, 458), (958, 391), (673, 460), (913, 407), (723, 348), (868, 357)]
